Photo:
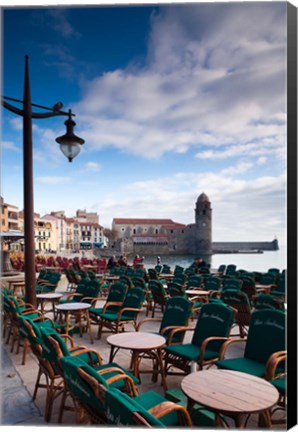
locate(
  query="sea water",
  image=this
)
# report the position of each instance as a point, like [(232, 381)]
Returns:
[(260, 262)]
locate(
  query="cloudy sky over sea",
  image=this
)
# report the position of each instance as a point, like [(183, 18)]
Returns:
[(172, 100)]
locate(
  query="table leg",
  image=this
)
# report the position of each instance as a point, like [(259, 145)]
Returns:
[(161, 368), (135, 364), (89, 326), (239, 421), (265, 419), (67, 322)]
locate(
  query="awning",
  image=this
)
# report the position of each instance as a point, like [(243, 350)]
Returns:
[(85, 243), (11, 236)]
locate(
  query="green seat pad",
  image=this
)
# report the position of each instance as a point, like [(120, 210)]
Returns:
[(118, 384), (109, 316), (280, 385), (150, 399), (243, 365), (200, 416), (95, 311), (190, 352)]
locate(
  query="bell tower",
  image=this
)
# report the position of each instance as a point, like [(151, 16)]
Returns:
[(203, 223)]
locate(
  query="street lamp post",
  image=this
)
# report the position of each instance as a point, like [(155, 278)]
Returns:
[(70, 146)]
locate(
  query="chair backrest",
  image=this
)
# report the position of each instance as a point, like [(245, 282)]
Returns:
[(84, 383), (54, 278), (177, 313), (274, 270), (266, 334), (153, 274), (194, 281), (166, 269), (178, 269), (212, 283), (91, 289), (232, 284), (158, 292), (268, 279), (180, 278), (134, 298), (231, 269), (221, 268), (117, 292), (124, 410), (53, 347), (127, 280), (214, 320), (248, 286), (267, 301), (240, 301), (175, 289), (138, 282)]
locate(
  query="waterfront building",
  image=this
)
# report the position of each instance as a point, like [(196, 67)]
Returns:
[(164, 236)]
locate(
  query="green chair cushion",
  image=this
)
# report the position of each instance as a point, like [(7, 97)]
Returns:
[(243, 365), (200, 416), (280, 384), (190, 352), (150, 399), (117, 384)]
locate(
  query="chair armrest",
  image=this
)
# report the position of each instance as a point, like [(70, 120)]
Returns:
[(69, 296), (96, 299), (226, 344), (206, 342), (111, 304), (128, 309), (177, 330), (167, 407), (146, 320), (274, 360), (85, 350), (69, 339), (86, 298)]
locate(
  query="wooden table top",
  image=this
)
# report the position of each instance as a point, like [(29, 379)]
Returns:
[(230, 392), (196, 292), (72, 307), (137, 340), (49, 296)]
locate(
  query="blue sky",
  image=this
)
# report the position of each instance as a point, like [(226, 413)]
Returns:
[(172, 100)]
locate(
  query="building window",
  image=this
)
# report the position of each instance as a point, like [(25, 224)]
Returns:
[(134, 231), (156, 231)]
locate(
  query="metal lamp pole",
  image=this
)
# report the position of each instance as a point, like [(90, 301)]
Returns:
[(69, 144)]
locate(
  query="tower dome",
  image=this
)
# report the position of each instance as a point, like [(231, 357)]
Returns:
[(203, 198)]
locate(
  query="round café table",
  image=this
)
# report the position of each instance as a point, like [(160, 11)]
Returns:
[(48, 297), (79, 310), (140, 343), (231, 393)]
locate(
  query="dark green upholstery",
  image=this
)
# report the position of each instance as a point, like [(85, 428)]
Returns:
[(267, 301), (200, 416), (52, 279), (266, 335), (81, 389), (133, 299), (215, 320), (177, 313), (86, 290), (50, 354), (116, 293), (194, 281), (120, 409)]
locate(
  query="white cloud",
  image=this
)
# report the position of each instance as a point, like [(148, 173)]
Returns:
[(10, 145), (54, 180), (201, 86)]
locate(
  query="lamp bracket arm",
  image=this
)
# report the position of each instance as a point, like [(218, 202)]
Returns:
[(12, 108), (49, 114)]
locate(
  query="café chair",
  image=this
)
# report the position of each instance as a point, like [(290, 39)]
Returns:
[(267, 301), (240, 302), (194, 282), (147, 410), (212, 329), (55, 348), (53, 382), (128, 313), (84, 384), (279, 380), (266, 335), (159, 295), (176, 315), (50, 284), (113, 302), (85, 292)]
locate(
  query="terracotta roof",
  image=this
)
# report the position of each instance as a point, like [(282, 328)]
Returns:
[(174, 226), (146, 221)]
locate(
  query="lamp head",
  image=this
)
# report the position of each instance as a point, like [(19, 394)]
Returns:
[(70, 144)]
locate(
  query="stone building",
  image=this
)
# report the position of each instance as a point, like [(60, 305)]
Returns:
[(164, 236)]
